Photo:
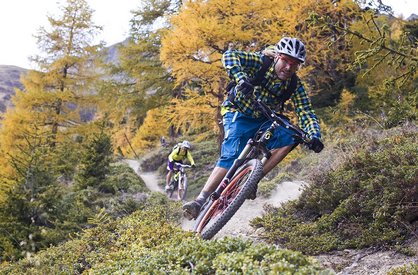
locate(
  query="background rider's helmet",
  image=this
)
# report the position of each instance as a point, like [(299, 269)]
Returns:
[(293, 47), (186, 144)]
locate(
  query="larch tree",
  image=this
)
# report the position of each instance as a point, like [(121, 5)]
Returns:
[(139, 82), (384, 60), (49, 109), (66, 66), (202, 31), (181, 116)]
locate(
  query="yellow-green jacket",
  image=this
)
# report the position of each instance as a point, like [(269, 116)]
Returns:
[(179, 154)]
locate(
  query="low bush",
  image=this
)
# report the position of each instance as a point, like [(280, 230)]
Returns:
[(150, 242), (368, 200), (410, 269), (227, 256), (60, 211), (122, 179)]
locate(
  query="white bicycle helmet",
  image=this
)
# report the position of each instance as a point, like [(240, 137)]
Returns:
[(293, 47), (186, 144)]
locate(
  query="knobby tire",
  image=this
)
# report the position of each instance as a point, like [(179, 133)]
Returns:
[(217, 213), (182, 194), (170, 192)]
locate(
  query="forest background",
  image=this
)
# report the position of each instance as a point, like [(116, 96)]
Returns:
[(80, 112)]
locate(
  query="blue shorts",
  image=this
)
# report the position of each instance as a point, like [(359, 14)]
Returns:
[(239, 129)]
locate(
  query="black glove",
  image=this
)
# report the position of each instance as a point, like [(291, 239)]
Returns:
[(315, 145), (193, 166), (245, 87)]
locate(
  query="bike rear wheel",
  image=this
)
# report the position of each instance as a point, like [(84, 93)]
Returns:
[(217, 213)]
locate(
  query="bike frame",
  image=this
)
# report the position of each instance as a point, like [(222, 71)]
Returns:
[(179, 176), (258, 146), (180, 170)]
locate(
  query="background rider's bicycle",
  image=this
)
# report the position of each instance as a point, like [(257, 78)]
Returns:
[(179, 182), (241, 180)]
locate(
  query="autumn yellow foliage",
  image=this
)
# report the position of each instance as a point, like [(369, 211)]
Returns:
[(203, 30)]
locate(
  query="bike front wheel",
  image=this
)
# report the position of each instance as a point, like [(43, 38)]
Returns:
[(182, 188), (216, 213), (170, 191)]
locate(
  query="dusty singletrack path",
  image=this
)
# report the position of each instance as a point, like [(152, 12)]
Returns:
[(151, 179)]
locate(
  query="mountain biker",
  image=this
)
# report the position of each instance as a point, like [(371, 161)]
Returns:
[(241, 120), (180, 152)]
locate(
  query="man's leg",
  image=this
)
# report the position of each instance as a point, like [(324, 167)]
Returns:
[(277, 155), (192, 209), (238, 129), (212, 183), (168, 178), (170, 168)]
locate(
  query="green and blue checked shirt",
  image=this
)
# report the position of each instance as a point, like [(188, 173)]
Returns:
[(240, 65)]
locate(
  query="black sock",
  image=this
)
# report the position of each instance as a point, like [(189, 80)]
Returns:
[(202, 197)]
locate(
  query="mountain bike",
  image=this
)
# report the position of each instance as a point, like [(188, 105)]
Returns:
[(240, 182), (179, 182)]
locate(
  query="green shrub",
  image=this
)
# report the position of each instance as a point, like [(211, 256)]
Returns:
[(30, 223), (227, 256), (410, 269), (151, 242), (368, 200), (122, 179)]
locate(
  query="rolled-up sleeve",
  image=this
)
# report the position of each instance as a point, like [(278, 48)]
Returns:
[(308, 121)]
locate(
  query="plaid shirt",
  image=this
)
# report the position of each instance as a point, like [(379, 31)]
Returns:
[(241, 65)]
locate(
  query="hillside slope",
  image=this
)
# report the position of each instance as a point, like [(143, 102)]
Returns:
[(153, 241), (350, 261), (9, 80)]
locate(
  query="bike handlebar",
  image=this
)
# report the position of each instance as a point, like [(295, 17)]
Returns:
[(182, 165), (270, 114)]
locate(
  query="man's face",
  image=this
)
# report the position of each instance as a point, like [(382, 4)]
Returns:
[(285, 66)]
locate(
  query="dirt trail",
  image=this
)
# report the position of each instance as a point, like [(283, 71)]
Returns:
[(151, 179)]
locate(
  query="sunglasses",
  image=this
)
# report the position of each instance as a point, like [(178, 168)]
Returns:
[(292, 63)]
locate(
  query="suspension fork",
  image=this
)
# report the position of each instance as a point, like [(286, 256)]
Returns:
[(267, 135), (242, 158), (266, 155), (183, 178)]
